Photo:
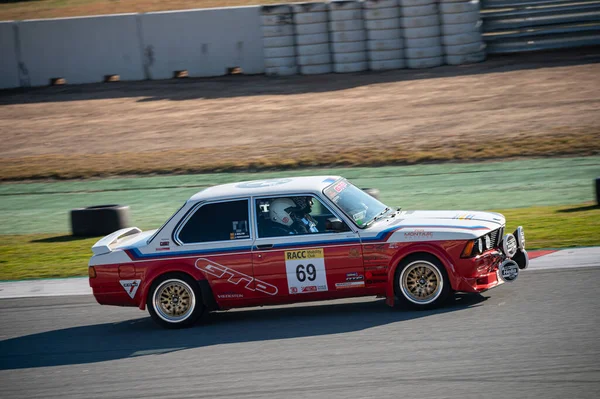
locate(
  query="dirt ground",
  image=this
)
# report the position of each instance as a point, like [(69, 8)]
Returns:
[(13, 9), (190, 124)]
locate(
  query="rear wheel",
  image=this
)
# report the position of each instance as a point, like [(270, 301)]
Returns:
[(421, 282), (174, 301)]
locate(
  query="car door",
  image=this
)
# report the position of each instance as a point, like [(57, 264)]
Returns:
[(219, 237), (304, 264)]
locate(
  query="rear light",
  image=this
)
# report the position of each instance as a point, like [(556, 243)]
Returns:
[(92, 272)]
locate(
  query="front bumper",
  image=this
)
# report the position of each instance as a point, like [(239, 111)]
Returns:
[(489, 270)]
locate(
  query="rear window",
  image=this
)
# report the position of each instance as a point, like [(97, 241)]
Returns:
[(221, 221)]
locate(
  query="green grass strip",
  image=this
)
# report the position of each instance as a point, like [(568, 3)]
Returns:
[(30, 208), (48, 256)]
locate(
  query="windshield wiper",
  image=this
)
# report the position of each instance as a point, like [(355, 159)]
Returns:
[(378, 216)]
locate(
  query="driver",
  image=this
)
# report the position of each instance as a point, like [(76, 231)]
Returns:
[(294, 214)]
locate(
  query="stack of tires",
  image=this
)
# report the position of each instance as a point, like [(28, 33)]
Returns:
[(461, 26), (312, 38), (421, 29), (384, 37), (348, 38), (278, 40)]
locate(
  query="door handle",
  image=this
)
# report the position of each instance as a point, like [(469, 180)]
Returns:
[(264, 246)]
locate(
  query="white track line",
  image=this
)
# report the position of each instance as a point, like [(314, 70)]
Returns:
[(565, 259)]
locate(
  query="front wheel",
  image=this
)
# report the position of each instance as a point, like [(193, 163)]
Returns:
[(174, 301), (421, 282)]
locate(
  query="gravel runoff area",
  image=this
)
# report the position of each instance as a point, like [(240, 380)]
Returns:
[(177, 125)]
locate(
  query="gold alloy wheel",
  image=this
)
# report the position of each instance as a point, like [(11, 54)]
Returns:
[(421, 282), (174, 300)]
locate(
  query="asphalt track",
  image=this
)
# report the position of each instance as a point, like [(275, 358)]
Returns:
[(537, 337)]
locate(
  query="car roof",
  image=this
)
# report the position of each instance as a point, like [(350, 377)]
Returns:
[(283, 185)]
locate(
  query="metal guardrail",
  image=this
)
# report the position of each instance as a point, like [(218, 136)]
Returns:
[(511, 26)]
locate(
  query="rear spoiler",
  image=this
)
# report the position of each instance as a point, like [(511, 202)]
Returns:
[(103, 245)]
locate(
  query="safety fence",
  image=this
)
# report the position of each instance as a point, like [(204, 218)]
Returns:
[(529, 25), (286, 39)]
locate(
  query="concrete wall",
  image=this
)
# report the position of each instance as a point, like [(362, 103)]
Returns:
[(9, 76), (81, 50), (203, 42)]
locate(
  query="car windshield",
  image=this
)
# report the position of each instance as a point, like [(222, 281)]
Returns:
[(355, 203)]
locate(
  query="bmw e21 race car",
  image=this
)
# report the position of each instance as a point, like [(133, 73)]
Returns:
[(281, 241)]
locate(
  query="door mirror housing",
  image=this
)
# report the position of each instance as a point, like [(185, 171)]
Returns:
[(336, 225)]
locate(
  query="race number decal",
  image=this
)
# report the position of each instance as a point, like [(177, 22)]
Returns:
[(305, 270)]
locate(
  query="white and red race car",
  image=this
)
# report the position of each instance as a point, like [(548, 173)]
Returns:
[(280, 241)]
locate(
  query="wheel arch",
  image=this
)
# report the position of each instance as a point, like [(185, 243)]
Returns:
[(178, 268), (413, 251)]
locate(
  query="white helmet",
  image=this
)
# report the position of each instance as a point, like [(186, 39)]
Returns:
[(278, 211)]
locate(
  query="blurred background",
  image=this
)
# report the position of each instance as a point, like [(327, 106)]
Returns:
[(489, 105)]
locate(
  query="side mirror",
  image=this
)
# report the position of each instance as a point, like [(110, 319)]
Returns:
[(335, 225)]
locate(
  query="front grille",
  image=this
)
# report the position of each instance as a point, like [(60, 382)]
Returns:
[(496, 236)]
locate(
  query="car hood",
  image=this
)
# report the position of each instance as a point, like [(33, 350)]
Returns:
[(478, 216), (406, 226)]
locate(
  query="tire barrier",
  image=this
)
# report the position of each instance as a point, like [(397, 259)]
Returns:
[(348, 39), (598, 191), (278, 40), (415, 3), (420, 24), (99, 220), (384, 36), (373, 192), (461, 24), (312, 38)]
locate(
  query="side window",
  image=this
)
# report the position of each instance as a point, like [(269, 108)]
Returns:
[(282, 216), (222, 221)]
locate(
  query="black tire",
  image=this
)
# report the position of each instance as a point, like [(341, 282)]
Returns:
[(429, 263), (99, 220), (158, 312)]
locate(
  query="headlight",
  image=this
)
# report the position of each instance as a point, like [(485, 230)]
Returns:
[(488, 242), (520, 236), (479, 245), (509, 245)]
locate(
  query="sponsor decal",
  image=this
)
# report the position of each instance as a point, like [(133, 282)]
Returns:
[(377, 281), (240, 230), (340, 186), (163, 249), (305, 270), (130, 286), (377, 273), (354, 253), (394, 245), (230, 295), (378, 248), (354, 277), (164, 243), (234, 277), (374, 257), (350, 284), (418, 234), (285, 219), (380, 267)]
